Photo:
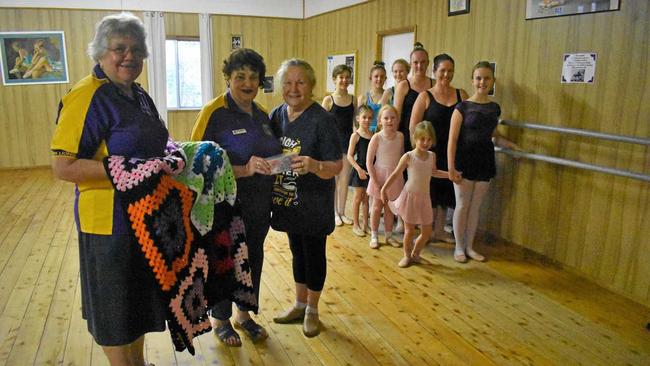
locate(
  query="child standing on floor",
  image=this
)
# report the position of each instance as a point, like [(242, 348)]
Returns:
[(341, 104), (359, 142), (372, 98), (413, 204), (471, 151), (386, 146)]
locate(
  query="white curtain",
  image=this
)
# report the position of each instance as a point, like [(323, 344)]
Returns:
[(205, 35), (154, 23)]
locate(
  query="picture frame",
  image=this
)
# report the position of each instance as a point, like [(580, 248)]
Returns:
[(536, 9), (457, 7), (33, 58), (236, 41), (349, 58)]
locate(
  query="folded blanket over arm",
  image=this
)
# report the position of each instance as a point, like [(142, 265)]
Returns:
[(185, 217)]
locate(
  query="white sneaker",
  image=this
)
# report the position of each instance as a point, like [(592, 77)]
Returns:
[(337, 220), (358, 231), (374, 243), (346, 220)]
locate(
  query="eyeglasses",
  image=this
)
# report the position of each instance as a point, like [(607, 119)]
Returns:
[(122, 51)]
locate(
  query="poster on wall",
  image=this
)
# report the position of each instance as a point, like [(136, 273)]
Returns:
[(33, 58), (348, 58), (578, 68), (556, 8)]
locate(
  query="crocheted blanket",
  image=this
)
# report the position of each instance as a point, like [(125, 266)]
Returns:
[(184, 215)]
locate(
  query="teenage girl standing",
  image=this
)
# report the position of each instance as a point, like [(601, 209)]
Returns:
[(400, 70), (471, 153), (341, 104), (372, 98)]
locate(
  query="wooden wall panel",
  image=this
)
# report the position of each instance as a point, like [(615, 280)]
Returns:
[(595, 224), (28, 112)]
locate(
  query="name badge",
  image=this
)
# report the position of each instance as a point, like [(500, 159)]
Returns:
[(240, 131)]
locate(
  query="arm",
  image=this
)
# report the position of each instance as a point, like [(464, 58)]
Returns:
[(327, 102), (254, 165), (417, 113), (435, 172), (454, 131), (361, 100), (403, 164), (350, 156), (323, 169), (370, 156), (386, 97), (78, 170), (501, 141), (400, 93)]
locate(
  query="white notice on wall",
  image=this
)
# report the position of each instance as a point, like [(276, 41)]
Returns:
[(579, 68)]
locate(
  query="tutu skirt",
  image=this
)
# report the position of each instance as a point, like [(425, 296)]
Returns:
[(374, 188), (413, 207)]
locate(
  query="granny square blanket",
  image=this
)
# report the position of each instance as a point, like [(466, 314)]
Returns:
[(184, 214)]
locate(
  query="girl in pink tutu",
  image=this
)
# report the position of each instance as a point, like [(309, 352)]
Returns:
[(413, 204), (386, 146)]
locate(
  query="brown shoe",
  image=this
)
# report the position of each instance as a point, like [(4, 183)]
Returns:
[(311, 325), (290, 315)]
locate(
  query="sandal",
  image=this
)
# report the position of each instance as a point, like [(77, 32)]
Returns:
[(225, 332), (253, 330)]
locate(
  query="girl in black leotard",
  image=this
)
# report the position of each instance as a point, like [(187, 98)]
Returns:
[(407, 91), (470, 157), (341, 104)]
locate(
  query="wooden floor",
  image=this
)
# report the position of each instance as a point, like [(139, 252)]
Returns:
[(514, 309)]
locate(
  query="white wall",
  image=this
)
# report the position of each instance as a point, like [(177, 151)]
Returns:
[(315, 7), (264, 8)]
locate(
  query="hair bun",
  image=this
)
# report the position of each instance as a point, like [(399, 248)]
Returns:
[(418, 46), (379, 63)]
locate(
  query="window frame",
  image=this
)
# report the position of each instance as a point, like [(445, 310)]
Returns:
[(178, 79)]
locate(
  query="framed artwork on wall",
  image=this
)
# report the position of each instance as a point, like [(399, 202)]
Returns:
[(347, 58), (33, 58), (556, 8), (236, 42), (457, 7)]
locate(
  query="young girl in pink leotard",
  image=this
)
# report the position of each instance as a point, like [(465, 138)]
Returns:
[(386, 146), (413, 204)]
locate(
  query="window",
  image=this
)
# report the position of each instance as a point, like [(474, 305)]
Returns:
[(183, 63)]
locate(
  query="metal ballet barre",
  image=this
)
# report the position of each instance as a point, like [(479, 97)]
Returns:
[(573, 163)]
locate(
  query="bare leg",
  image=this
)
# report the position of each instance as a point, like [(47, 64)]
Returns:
[(342, 180), (409, 232), (421, 241), (302, 293), (126, 355), (356, 204)]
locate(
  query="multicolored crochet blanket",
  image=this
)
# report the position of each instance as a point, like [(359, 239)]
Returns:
[(185, 217)]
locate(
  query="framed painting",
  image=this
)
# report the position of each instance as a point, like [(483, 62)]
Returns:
[(347, 58), (236, 41), (457, 7), (33, 58), (556, 8)]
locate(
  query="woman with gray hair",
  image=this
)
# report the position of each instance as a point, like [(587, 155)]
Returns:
[(107, 113), (303, 197)]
